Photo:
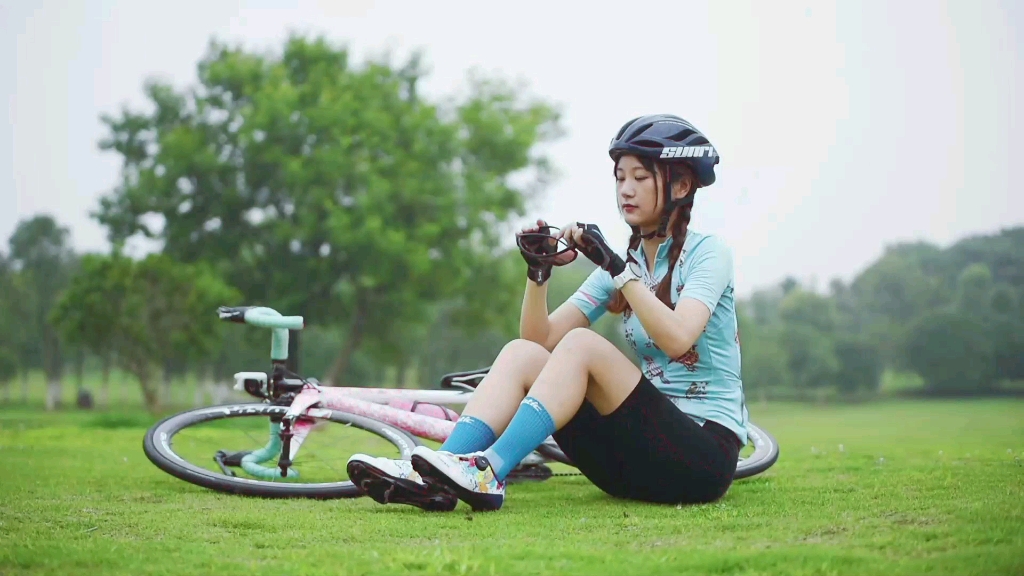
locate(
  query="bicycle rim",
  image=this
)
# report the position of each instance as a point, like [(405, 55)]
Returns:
[(359, 433)]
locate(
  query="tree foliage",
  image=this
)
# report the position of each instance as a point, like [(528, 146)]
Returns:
[(329, 189), (43, 260), (337, 190), (951, 351), (151, 311)]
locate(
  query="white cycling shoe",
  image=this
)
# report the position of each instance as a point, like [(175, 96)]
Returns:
[(393, 481), (466, 476)]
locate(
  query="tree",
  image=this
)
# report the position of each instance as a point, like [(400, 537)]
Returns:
[(896, 288), (160, 310), (8, 369), (1000, 252), (170, 315), (1020, 304), (1003, 302), (89, 309), (764, 305), (951, 351), (326, 189), (974, 291), (1007, 332), (891, 293), (809, 325), (953, 315), (811, 358), (1007, 337), (8, 339), (860, 364), (764, 361), (40, 254), (803, 308), (18, 334)]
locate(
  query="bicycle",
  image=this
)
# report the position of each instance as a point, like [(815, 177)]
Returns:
[(295, 406)]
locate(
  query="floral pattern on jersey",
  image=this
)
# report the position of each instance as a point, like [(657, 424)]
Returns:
[(697, 391), (654, 371), (630, 338), (689, 359)]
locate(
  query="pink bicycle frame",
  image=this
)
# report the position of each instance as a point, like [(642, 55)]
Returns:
[(317, 402)]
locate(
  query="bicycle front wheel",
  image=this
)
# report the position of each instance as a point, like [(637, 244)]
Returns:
[(206, 446)]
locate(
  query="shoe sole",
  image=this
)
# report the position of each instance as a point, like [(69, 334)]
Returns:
[(386, 489), (437, 480)]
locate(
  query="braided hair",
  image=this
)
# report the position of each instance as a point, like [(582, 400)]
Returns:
[(679, 226)]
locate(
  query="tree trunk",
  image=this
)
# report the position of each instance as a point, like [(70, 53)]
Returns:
[(83, 397), (80, 369), (165, 383), (150, 396), (204, 385), (221, 388), (54, 368), (53, 392), (123, 394), (104, 400), (355, 336), (401, 371), (197, 396), (221, 392), (150, 392), (24, 386)]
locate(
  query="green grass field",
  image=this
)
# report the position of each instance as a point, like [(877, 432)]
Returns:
[(878, 488)]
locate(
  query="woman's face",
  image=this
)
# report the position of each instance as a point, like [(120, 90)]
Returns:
[(637, 192)]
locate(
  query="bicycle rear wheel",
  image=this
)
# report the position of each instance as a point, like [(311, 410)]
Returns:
[(188, 446), (764, 454)]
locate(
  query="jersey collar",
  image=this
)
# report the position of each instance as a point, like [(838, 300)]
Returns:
[(663, 248)]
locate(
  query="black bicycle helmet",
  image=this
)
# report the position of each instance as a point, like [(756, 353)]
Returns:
[(668, 139)]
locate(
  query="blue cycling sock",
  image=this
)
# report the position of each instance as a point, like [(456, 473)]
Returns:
[(469, 435), (529, 427)]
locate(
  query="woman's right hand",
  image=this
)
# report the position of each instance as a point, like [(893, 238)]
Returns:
[(539, 270)]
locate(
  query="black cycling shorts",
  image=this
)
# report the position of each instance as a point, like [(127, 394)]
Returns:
[(648, 449)]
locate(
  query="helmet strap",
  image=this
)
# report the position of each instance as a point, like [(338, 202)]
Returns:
[(666, 212), (671, 205)]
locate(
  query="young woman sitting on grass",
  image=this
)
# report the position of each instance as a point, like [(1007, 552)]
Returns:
[(670, 433)]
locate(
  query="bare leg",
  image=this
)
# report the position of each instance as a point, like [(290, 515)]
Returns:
[(487, 414), (584, 365), (498, 396)]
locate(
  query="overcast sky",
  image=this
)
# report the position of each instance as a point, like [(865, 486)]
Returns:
[(842, 126)]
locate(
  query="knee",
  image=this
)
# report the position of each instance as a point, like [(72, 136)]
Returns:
[(524, 351), (519, 361), (579, 339)]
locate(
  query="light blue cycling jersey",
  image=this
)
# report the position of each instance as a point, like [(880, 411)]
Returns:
[(705, 382)]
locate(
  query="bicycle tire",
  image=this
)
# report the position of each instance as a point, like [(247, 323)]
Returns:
[(159, 439), (766, 453)]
